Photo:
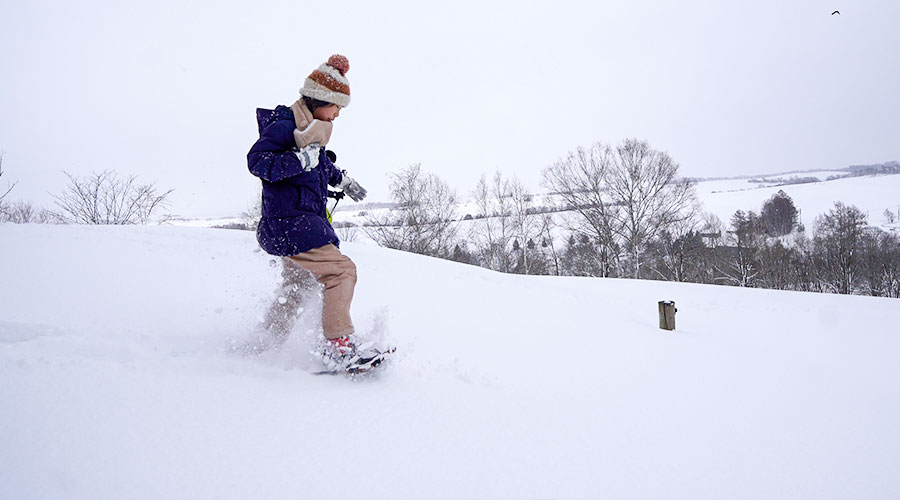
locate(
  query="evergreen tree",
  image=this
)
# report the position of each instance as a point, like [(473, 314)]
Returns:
[(779, 216)]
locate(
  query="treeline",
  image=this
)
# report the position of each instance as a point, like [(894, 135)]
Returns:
[(843, 254), (623, 212), (99, 198), (890, 167)]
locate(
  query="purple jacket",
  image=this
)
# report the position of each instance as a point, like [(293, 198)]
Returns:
[(293, 201)]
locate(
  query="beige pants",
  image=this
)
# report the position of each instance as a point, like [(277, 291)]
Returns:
[(331, 268)]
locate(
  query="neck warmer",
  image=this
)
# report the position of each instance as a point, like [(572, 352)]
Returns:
[(309, 130)]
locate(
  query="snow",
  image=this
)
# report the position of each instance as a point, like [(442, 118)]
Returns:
[(209, 222), (871, 194), (116, 382)]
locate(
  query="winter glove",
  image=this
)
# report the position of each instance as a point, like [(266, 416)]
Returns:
[(352, 188), (309, 157)]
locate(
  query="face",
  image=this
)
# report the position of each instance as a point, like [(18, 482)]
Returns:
[(327, 113)]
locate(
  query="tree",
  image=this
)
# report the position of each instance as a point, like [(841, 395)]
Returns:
[(779, 215), (644, 184), (23, 212), (104, 198), (492, 234), (806, 277), (346, 231), (504, 234), (424, 221), (581, 257), (678, 253), (551, 255), (526, 228), (891, 267), (624, 197), (4, 193), (738, 263), (778, 265), (838, 246), (579, 181), (462, 254), (253, 214), (880, 263)]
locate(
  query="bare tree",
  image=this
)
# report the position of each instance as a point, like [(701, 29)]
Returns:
[(678, 252), (547, 224), (738, 261), (806, 275), (104, 198), (873, 261), (644, 183), (347, 231), (624, 197), (777, 264), (580, 182), (839, 246), (253, 214), (887, 266), (424, 222), (23, 212), (507, 235), (492, 234), (9, 187), (527, 230)]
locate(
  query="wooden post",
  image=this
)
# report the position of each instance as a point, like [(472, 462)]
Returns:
[(667, 314)]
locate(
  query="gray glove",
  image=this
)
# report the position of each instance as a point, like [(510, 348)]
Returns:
[(352, 188), (309, 157)]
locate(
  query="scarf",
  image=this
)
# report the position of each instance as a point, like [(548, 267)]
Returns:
[(309, 130)]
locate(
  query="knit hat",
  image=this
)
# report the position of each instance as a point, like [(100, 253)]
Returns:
[(328, 82)]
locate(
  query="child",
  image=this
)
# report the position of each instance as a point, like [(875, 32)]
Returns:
[(291, 160)]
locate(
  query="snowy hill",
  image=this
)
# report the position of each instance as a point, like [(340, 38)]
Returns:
[(872, 194), (116, 382)]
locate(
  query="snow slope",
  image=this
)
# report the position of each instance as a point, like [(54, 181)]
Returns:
[(116, 382), (871, 194)]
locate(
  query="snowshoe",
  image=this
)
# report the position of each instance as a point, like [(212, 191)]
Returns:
[(341, 355)]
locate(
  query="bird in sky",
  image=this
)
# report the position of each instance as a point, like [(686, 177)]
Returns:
[(836, 12)]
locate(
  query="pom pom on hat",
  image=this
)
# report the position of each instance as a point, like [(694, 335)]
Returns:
[(339, 63), (328, 82)]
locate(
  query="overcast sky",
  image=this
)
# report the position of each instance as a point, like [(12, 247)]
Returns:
[(167, 89)]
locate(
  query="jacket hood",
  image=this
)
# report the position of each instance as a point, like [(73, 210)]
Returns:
[(266, 117)]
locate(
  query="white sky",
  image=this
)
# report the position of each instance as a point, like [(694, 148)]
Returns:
[(167, 89)]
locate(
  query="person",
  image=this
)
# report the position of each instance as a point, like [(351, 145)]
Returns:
[(295, 169)]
